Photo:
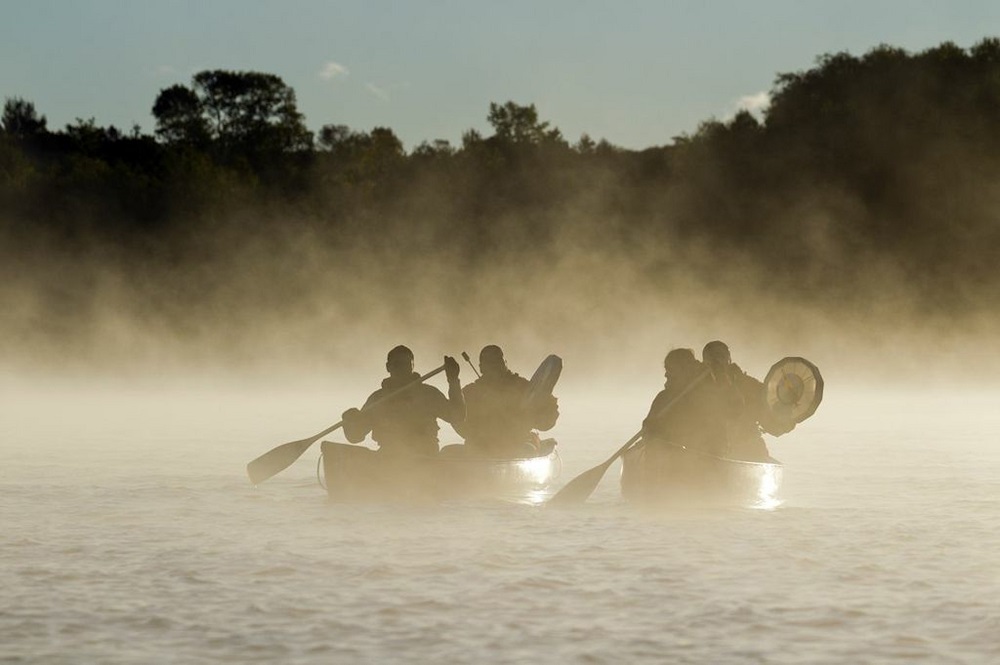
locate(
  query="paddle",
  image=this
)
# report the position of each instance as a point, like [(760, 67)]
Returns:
[(581, 487), (278, 459), (476, 371)]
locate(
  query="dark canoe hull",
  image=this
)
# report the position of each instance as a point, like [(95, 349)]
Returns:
[(673, 476), (355, 473)]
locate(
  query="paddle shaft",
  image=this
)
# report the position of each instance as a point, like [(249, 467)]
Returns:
[(638, 435), (280, 458), (386, 398), (624, 449), (474, 370), (382, 400)]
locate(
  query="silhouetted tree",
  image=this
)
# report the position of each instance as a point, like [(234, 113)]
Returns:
[(334, 137), (435, 148), (586, 145), (250, 108), (246, 113), (179, 119), (20, 119), (513, 123)]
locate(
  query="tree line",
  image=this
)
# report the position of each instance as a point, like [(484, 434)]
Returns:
[(887, 159)]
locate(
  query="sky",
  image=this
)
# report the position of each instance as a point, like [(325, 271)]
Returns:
[(635, 72)]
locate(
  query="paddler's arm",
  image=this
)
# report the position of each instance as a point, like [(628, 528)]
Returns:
[(752, 391), (459, 427), (546, 414), (453, 410), (654, 410), (358, 423)]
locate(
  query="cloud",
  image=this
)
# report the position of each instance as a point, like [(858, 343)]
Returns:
[(381, 93), (166, 70), (754, 103), (332, 70)]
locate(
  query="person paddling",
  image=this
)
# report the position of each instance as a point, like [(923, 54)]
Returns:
[(686, 422), (407, 423), (498, 423), (737, 403)]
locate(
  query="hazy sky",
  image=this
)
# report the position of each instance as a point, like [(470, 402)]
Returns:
[(637, 72)]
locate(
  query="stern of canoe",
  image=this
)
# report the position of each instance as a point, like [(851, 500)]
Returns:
[(671, 475), (355, 473)]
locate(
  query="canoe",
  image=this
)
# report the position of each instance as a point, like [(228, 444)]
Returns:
[(356, 473), (667, 475)]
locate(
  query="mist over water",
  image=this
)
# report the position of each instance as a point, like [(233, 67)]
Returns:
[(131, 533), (131, 409), (269, 302)]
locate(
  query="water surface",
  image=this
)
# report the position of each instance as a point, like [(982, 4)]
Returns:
[(130, 534)]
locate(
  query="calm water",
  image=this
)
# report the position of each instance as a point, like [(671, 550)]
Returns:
[(130, 534)]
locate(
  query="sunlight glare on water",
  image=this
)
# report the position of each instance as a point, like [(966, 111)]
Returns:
[(131, 534)]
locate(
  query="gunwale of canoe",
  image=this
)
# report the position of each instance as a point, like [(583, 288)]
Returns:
[(358, 474), (672, 476)]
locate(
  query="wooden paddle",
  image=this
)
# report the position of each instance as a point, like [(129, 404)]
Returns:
[(278, 459), (468, 360), (581, 487)]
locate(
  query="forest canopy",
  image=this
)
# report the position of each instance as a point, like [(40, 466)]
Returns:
[(863, 170)]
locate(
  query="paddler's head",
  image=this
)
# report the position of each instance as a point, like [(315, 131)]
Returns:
[(491, 361), (678, 364), (399, 362), (716, 357)]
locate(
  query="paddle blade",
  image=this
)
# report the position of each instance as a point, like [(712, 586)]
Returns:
[(580, 488), (277, 460), (542, 382)]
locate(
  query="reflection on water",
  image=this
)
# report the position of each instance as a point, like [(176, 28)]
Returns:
[(130, 534), (770, 484)]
